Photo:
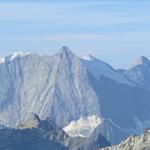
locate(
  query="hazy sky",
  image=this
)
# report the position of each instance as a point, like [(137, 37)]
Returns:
[(116, 31)]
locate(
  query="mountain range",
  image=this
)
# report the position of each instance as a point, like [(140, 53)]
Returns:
[(85, 97)]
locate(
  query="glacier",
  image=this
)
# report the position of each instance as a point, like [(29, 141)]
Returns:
[(99, 68)]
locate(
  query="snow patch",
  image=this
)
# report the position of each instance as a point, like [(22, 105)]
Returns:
[(99, 68), (2, 60), (89, 57), (83, 127), (18, 54), (13, 56)]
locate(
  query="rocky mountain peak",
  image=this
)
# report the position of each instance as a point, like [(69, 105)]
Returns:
[(140, 61)]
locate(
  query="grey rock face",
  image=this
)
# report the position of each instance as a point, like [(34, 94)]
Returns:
[(55, 87), (65, 87)]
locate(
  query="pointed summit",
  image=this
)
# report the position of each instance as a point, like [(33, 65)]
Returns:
[(144, 60), (66, 53), (140, 61), (65, 50)]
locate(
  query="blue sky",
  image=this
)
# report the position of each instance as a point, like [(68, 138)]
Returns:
[(116, 31)]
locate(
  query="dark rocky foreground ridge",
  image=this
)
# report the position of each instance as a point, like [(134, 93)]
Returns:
[(36, 134)]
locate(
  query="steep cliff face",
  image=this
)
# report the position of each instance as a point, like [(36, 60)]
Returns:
[(55, 87)]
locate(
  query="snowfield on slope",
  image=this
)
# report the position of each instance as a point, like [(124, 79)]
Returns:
[(83, 127)]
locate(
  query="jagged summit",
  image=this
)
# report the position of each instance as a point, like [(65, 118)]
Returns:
[(66, 53), (65, 49), (140, 61), (139, 72), (33, 121), (89, 57), (144, 59)]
